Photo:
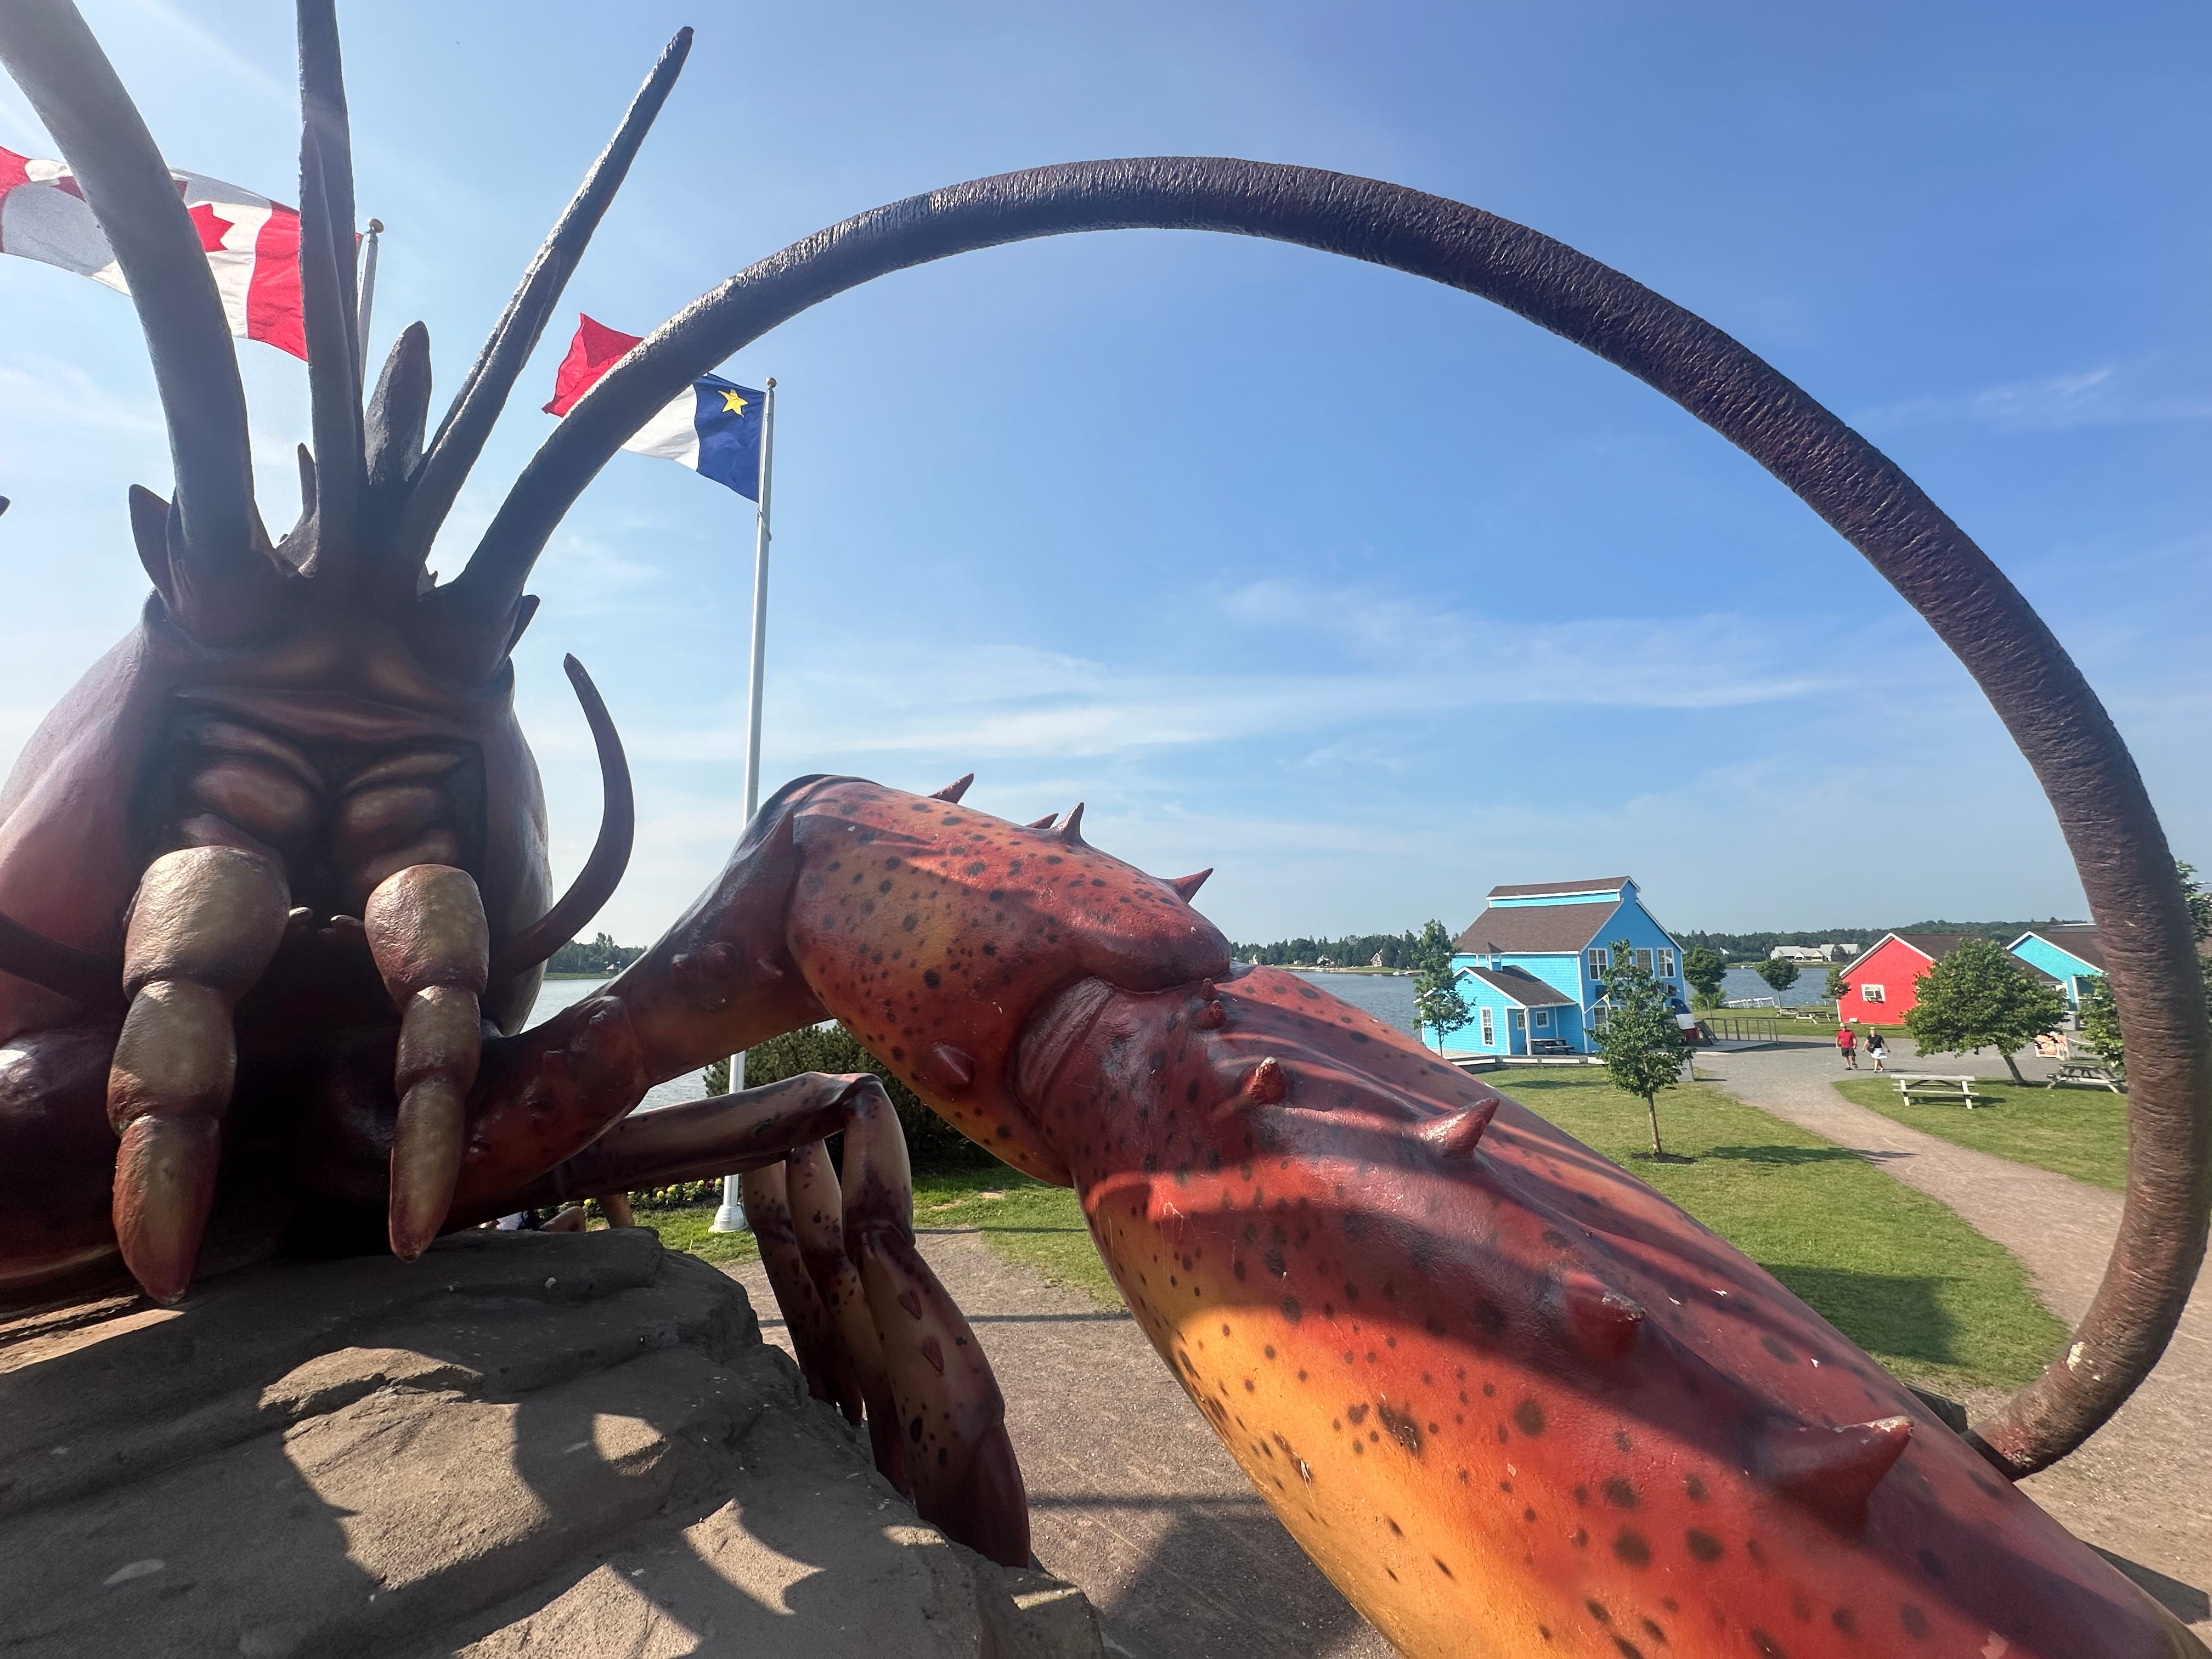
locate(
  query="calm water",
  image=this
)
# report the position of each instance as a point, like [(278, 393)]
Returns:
[(1386, 996), (1812, 979)]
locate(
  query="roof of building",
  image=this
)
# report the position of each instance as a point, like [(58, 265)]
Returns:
[(1537, 888), (1543, 929), (1936, 947), (1523, 986), (2081, 942)]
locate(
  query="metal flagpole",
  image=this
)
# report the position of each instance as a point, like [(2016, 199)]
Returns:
[(369, 290), (730, 1218)]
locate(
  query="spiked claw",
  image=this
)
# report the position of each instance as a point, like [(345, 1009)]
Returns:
[(165, 1173), (1831, 1472), (1455, 1134), (952, 791), (1268, 1083), (1602, 1322)]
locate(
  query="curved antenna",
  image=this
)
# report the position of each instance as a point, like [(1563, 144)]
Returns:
[(2119, 850), (94, 980), (460, 437), (213, 537), (603, 871), (330, 290)]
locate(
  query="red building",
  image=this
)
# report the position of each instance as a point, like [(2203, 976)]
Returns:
[(1881, 978)]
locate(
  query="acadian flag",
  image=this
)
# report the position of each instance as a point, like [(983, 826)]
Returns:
[(252, 244), (713, 428)]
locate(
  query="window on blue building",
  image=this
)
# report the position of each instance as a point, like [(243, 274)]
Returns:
[(1666, 964), (1489, 1029), (1644, 960), (1599, 962), (1542, 1018)]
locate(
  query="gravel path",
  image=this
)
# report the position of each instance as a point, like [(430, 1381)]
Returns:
[(1131, 1496), (2142, 1489)]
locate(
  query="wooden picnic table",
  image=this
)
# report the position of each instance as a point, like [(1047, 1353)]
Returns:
[(1913, 1086), (2087, 1070)]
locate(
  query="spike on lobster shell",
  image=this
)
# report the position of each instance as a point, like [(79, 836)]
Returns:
[(1186, 887), (946, 1067), (1601, 1323), (1267, 1084), (1044, 822), (1072, 831), (952, 791), (1211, 1015), (1831, 1472), (1455, 1134)]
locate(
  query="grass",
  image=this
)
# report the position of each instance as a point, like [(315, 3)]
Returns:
[(2083, 1132), (1895, 1271)]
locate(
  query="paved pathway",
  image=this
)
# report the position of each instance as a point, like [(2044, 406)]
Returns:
[(1131, 1496), (2141, 1488)]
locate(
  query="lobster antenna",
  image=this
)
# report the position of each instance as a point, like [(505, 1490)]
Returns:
[(330, 288), (211, 535), (460, 437)]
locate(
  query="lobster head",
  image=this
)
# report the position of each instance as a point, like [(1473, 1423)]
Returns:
[(937, 933)]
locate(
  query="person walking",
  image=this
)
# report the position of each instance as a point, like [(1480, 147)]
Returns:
[(1877, 1050), (1847, 1044)]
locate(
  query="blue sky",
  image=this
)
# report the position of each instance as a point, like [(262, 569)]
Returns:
[(1366, 592)]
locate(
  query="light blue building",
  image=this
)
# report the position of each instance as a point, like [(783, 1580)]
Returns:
[(2069, 955), (1531, 967)]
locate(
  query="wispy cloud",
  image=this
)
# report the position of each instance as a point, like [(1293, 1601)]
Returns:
[(2103, 396)]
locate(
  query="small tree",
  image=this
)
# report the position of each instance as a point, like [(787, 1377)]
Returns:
[(1779, 972), (1438, 1003), (1705, 969), (1837, 987), (1639, 1040), (1981, 997)]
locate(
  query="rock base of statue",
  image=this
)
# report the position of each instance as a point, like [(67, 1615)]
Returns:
[(567, 1444)]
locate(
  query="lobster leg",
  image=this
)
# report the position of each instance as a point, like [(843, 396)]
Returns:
[(427, 931), (937, 1417), (204, 924)]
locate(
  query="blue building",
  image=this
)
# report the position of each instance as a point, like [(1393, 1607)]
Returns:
[(1531, 968), (2068, 955)]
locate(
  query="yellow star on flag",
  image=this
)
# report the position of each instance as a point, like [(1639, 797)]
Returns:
[(732, 403)]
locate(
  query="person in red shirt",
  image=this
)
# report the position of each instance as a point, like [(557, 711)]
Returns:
[(1847, 1044)]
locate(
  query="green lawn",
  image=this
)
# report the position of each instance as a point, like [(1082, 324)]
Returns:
[(2083, 1132), (1896, 1272)]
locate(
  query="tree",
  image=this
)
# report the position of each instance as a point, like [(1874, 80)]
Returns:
[(1705, 969), (1438, 1003), (2101, 1019), (1981, 997), (1837, 987), (1638, 1038), (1779, 972)]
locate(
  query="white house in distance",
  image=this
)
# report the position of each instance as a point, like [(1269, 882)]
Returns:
[(1532, 966)]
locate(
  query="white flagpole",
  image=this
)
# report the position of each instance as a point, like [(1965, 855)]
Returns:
[(367, 290), (730, 1218)]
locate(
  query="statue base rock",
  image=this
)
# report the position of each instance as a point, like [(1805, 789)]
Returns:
[(523, 1444)]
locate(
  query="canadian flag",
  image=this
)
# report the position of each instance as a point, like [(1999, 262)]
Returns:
[(252, 244)]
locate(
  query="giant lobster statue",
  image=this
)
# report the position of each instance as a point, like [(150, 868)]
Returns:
[(274, 899)]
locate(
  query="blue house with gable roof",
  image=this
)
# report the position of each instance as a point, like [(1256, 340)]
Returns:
[(2072, 955), (1531, 968)]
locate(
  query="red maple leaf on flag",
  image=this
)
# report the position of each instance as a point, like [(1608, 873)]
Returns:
[(211, 227)]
